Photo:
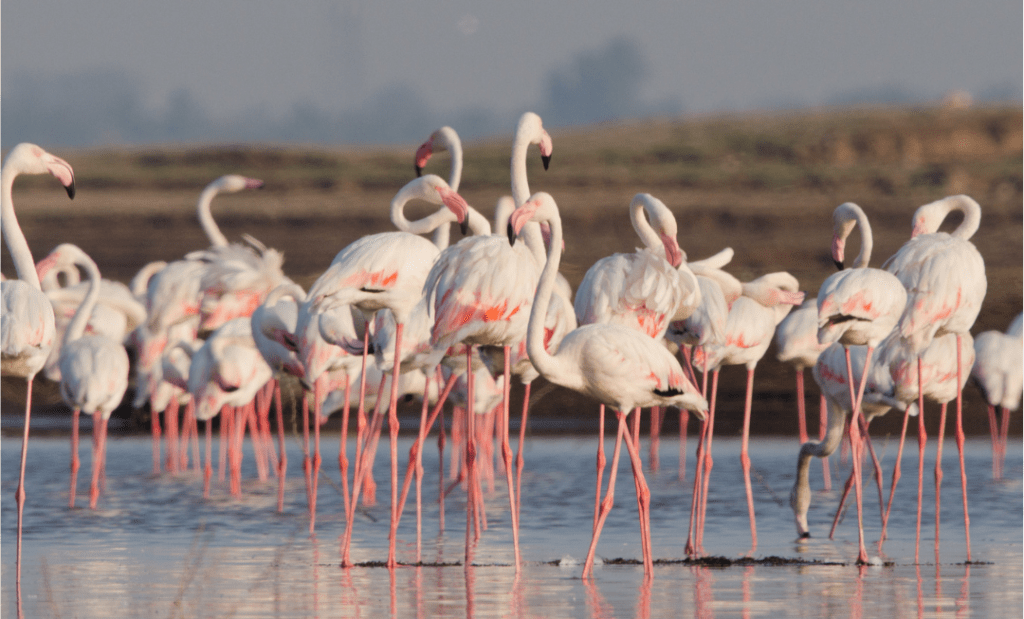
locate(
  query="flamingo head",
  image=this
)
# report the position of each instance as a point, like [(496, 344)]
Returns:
[(32, 159), (673, 253), (423, 154), (231, 183), (545, 148), (838, 250), (455, 203)]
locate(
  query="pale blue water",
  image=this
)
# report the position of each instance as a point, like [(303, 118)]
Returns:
[(156, 548)]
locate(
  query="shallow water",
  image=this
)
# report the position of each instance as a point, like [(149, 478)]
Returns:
[(155, 547)]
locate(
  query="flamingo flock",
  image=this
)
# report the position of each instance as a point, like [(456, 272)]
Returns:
[(395, 315)]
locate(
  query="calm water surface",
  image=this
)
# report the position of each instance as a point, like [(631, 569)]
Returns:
[(155, 548)]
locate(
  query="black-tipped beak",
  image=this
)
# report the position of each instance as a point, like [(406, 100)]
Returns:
[(511, 235), (546, 160), (419, 171), (71, 190), (806, 535), (839, 265), (464, 226)]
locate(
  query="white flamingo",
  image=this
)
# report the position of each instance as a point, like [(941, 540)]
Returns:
[(610, 363), (944, 275), (94, 369), (998, 373), (27, 330)]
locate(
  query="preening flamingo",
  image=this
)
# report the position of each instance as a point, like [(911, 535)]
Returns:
[(610, 363), (387, 270), (444, 139), (94, 369), (27, 330), (944, 275), (748, 333), (998, 372)]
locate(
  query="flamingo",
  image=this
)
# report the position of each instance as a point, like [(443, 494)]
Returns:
[(445, 139), (880, 396), (227, 371), (479, 293), (94, 369), (944, 275), (937, 373), (748, 333), (116, 315), (387, 270), (27, 331), (175, 294), (859, 306), (611, 363), (796, 343), (998, 373)]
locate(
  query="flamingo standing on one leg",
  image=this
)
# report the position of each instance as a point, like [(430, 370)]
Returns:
[(944, 275), (94, 368), (27, 330), (998, 372), (611, 363)]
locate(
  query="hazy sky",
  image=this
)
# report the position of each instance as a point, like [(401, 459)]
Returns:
[(235, 56)]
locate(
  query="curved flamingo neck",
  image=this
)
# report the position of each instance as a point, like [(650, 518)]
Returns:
[(452, 143), (644, 229), (521, 187), (542, 360), (853, 213), (13, 235), (928, 218), (213, 233), (76, 328), (428, 224)]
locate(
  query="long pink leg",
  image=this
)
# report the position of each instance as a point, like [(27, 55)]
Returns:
[(684, 422), (393, 427), (745, 460), (993, 428), (282, 463), (938, 474), (506, 457), (922, 438), (440, 466), (19, 495), (519, 448), (343, 447), (609, 499), (1005, 430), (709, 462), (822, 429), (99, 443), (691, 548), (801, 409), (643, 502), (307, 462), (75, 463), (171, 421), (256, 437), (842, 501), (601, 463), (960, 445), (855, 451), (314, 476), (154, 423), (655, 444), (208, 469), (197, 465), (895, 478), (222, 438), (470, 459), (357, 482)]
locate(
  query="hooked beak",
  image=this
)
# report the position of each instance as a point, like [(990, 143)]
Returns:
[(511, 234), (546, 159)]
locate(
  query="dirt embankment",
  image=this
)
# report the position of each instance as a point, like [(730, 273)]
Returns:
[(764, 185)]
